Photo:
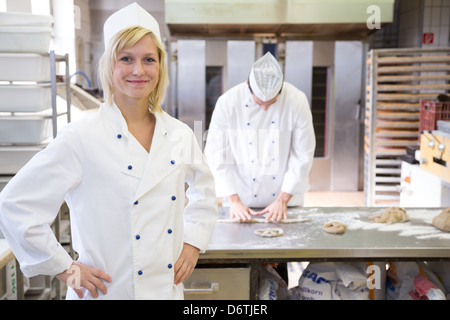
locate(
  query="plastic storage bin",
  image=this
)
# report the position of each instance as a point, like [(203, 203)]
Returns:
[(24, 67), (25, 98), (28, 129), (25, 32), (25, 39), (431, 112), (13, 158), (25, 19)]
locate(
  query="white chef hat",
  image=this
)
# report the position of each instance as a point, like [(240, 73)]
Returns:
[(266, 77), (129, 16)]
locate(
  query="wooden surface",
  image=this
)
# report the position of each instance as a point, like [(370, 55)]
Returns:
[(6, 255)]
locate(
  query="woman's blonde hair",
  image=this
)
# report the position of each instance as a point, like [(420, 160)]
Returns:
[(125, 39)]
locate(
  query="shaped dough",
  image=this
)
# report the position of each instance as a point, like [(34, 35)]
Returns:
[(390, 216), (334, 227), (269, 232), (442, 220), (261, 220)]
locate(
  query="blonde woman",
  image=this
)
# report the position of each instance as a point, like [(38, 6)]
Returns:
[(122, 172)]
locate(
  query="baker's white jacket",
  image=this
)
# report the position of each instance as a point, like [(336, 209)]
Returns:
[(257, 154), (128, 210)]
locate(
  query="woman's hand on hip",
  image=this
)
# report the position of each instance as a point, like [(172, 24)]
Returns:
[(80, 275)]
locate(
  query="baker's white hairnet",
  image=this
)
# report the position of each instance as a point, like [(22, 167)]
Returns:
[(266, 77)]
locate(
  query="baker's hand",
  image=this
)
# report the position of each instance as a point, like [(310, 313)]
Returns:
[(186, 263), (238, 209), (80, 275), (277, 210)]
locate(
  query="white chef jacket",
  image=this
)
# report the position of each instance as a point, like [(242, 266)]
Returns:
[(257, 154), (128, 208)]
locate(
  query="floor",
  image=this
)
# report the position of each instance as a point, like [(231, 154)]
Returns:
[(323, 199)]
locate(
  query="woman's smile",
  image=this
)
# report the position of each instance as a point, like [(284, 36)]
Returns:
[(137, 82)]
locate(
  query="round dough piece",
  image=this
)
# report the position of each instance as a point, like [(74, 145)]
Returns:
[(269, 232), (334, 227), (442, 220), (390, 216)]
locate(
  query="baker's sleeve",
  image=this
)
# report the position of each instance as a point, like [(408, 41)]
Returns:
[(201, 212), (31, 201), (218, 151), (301, 153)]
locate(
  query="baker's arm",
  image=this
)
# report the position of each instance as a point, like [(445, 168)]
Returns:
[(201, 212), (218, 151), (303, 144), (31, 201)]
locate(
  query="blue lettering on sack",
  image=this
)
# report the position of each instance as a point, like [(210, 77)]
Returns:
[(272, 294), (313, 276), (390, 285)]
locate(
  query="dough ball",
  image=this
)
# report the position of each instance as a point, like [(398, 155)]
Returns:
[(334, 227), (442, 220), (269, 232), (390, 216)]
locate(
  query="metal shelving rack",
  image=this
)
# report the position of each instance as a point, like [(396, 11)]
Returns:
[(54, 59), (397, 79), (48, 287), (51, 288)]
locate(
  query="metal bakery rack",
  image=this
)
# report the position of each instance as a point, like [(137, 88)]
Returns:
[(397, 80)]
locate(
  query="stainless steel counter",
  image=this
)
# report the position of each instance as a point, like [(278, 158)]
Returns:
[(234, 245), (306, 241)]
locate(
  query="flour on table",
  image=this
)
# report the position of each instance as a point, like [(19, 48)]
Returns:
[(261, 220), (422, 230)]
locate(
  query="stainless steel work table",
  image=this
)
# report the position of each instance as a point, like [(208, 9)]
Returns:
[(416, 239)]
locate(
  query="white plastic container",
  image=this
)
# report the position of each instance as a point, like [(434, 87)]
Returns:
[(25, 19), (25, 39), (24, 67), (25, 98), (28, 129), (13, 158)]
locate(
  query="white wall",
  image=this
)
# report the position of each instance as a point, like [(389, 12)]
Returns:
[(424, 16), (64, 30), (83, 42), (436, 20)]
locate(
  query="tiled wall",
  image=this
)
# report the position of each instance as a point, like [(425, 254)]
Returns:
[(436, 20), (417, 17)]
